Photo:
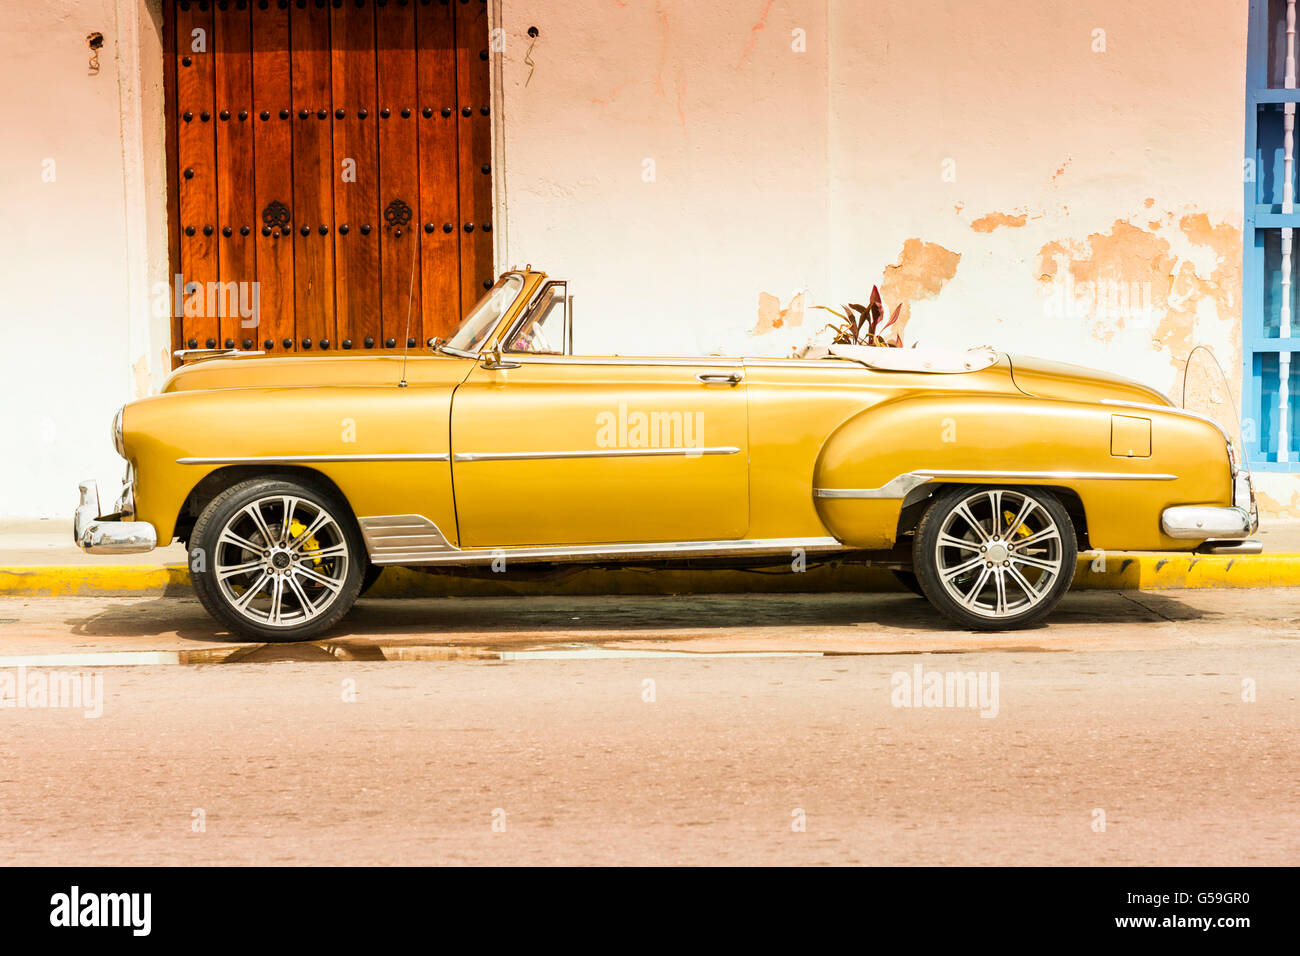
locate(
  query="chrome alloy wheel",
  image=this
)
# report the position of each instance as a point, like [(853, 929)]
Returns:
[(998, 553), (280, 561)]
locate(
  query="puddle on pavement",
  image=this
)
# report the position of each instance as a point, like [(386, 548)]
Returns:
[(368, 650), (357, 651)]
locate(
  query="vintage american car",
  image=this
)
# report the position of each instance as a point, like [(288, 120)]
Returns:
[(976, 476)]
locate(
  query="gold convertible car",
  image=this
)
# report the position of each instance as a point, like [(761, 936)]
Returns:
[(976, 476)]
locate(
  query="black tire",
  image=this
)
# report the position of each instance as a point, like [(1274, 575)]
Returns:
[(321, 605), (908, 580), (986, 586), (370, 577)]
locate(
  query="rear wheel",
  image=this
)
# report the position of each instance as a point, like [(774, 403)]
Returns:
[(994, 558), (283, 560)]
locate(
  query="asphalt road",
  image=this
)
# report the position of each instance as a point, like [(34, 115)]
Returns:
[(1128, 706)]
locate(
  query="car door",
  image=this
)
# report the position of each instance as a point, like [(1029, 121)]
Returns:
[(554, 449)]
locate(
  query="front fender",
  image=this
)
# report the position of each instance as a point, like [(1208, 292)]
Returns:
[(341, 432), (869, 464)]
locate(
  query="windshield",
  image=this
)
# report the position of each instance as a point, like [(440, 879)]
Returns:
[(483, 318)]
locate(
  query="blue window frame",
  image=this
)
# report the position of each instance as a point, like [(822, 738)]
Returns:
[(1271, 333)]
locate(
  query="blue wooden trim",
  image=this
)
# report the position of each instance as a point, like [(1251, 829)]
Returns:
[(1257, 47), (1272, 95), (1277, 220), (1251, 292), (1256, 217), (1265, 344)]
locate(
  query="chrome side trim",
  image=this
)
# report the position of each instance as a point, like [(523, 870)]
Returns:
[(704, 361), (401, 539), (259, 459), (415, 540), (830, 361), (899, 486), (894, 488), (594, 453)]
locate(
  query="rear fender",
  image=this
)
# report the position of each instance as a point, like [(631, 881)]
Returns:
[(870, 463)]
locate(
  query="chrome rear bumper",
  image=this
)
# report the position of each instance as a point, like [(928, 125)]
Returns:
[(1202, 522), (108, 535)]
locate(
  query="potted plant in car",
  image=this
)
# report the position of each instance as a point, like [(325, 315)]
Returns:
[(862, 325)]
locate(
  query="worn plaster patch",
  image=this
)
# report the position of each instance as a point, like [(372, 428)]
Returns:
[(772, 316), (1110, 278), (921, 272), (1130, 276), (992, 220), (1047, 260), (1270, 507)]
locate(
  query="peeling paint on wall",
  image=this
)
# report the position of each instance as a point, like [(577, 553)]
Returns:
[(922, 270), (772, 316), (992, 220), (1270, 507), (1180, 291)]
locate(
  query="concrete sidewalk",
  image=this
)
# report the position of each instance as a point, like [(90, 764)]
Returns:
[(39, 559)]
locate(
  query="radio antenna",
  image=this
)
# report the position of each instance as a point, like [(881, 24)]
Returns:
[(410, 298)]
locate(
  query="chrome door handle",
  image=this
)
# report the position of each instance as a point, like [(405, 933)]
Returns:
[(720, 378)]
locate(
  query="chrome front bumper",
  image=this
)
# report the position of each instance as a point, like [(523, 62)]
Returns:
[(110, 535), (1205, 523)]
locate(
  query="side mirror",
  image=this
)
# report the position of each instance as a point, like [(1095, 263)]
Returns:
[(493, 360)]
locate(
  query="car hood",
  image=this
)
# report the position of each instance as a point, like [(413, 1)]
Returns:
[(1043, 378), (372, 367)]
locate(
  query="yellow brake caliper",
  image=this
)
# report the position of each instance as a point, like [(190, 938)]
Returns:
[(296, 528), (1019, 532)]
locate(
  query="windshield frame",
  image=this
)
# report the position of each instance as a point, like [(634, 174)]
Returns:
[(487, 333)]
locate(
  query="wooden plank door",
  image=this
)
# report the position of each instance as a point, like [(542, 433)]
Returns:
[(475, 151), (399, 164), (236, 214), (332, 159), (272, 177), (439, 171), (196, 186), (313, 178), (356, 174)]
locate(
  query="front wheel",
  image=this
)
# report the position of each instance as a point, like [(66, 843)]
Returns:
[(283, 560), (994, 558)]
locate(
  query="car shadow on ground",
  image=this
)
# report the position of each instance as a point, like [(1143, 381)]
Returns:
[(498, 621)]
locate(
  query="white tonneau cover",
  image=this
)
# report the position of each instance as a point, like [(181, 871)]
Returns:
[(915, 360)]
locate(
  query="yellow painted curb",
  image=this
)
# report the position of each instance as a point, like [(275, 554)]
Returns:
[(1094, 572), (1151, 572), (90, 580)]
